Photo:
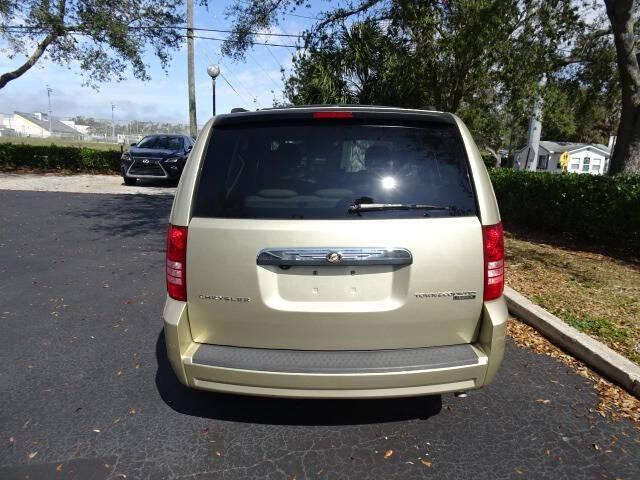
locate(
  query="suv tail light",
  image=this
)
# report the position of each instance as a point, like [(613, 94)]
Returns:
[(493, 237), (330, 114), (177, 262)]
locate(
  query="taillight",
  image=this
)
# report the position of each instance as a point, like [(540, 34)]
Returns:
[(333, 114), (177, 262), (493, 237)]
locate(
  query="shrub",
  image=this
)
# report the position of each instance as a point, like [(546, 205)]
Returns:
[(592, 208), (54, 157), (489, 160)]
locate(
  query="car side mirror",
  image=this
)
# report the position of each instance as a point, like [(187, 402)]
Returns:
[(189, 148), (133, 144)]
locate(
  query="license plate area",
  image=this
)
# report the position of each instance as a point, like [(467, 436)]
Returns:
[(290, 287)]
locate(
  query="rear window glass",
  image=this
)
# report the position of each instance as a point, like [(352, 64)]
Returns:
[(163, 142), (317, 170)]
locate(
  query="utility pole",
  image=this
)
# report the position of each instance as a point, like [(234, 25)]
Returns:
[(193, 122), (49, 91), (113, 123), (535, 129)]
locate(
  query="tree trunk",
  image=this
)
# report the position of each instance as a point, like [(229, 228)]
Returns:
[(626, 154)]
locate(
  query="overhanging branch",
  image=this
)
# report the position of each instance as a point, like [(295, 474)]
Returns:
[(344, 13), (35, 56)]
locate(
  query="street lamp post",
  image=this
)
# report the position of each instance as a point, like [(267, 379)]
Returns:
[(213, 71), (49, 91), (113, 123)]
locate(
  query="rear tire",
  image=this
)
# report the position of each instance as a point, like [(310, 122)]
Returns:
[(130, 181)]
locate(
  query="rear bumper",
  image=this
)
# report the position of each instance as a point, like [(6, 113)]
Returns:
[(305, 374)]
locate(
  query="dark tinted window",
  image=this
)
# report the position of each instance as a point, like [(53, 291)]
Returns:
[(163, 142), (318, 170)]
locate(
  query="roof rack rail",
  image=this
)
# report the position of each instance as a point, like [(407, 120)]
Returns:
[(238, 110)]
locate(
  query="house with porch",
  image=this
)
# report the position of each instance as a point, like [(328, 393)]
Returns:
[(557, 157)]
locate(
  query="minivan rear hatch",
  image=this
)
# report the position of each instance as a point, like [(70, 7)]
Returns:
[(334, 231)]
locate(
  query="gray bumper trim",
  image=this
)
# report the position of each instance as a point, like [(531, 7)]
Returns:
[(339, 361)]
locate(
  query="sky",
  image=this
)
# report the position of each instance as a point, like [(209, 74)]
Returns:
[(164, 98)]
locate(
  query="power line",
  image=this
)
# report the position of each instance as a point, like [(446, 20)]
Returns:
[(302, 16), (231, 86), (250, 43), (251, 58), (236, 91), (210, 58), (242, 86), (265, 72), (216, 39), (246, 2), (251, 33), (159, 27), (302, 36), (274, 58)]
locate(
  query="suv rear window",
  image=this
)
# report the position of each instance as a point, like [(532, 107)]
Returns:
[(317, 170)]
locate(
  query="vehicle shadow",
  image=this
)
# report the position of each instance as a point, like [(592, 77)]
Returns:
[(275, 411), (151, 182), (127, 215)]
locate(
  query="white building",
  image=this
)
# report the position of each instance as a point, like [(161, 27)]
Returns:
[(123, 139), (576, 157), (83, 129), (37, 125)]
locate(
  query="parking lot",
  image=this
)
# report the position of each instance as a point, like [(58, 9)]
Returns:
[(86, 391)]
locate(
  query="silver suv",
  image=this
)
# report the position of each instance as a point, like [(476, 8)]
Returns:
[(335, 252)]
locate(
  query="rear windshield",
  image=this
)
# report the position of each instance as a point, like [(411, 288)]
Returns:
[(163, 142), (319, 170)]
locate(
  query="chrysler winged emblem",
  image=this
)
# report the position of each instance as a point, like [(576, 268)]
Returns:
[(145, 161), (334, 257)]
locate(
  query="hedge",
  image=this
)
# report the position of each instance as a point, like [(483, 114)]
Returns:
[(594, 209), (591, 208), (54, 157)]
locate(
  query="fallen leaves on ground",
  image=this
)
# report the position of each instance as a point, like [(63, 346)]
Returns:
[(388, 453), (426, 463), (12, 440), (593, 292), (543, 401), (32, 455), (614, 401)]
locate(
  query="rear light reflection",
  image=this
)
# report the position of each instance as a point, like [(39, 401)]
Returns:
[(177, 262), (493, 238)]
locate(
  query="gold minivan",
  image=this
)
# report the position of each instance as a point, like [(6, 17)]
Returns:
[(337, 252)]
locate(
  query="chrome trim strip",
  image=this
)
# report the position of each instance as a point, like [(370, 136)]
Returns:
[(334, 256)]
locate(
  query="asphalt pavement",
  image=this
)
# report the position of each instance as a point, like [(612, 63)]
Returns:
[(86, 391)]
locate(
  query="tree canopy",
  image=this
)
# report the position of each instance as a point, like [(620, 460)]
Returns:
[(480, 59), (107, 39)]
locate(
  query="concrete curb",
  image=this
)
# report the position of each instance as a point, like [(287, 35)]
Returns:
[(596, 355)]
